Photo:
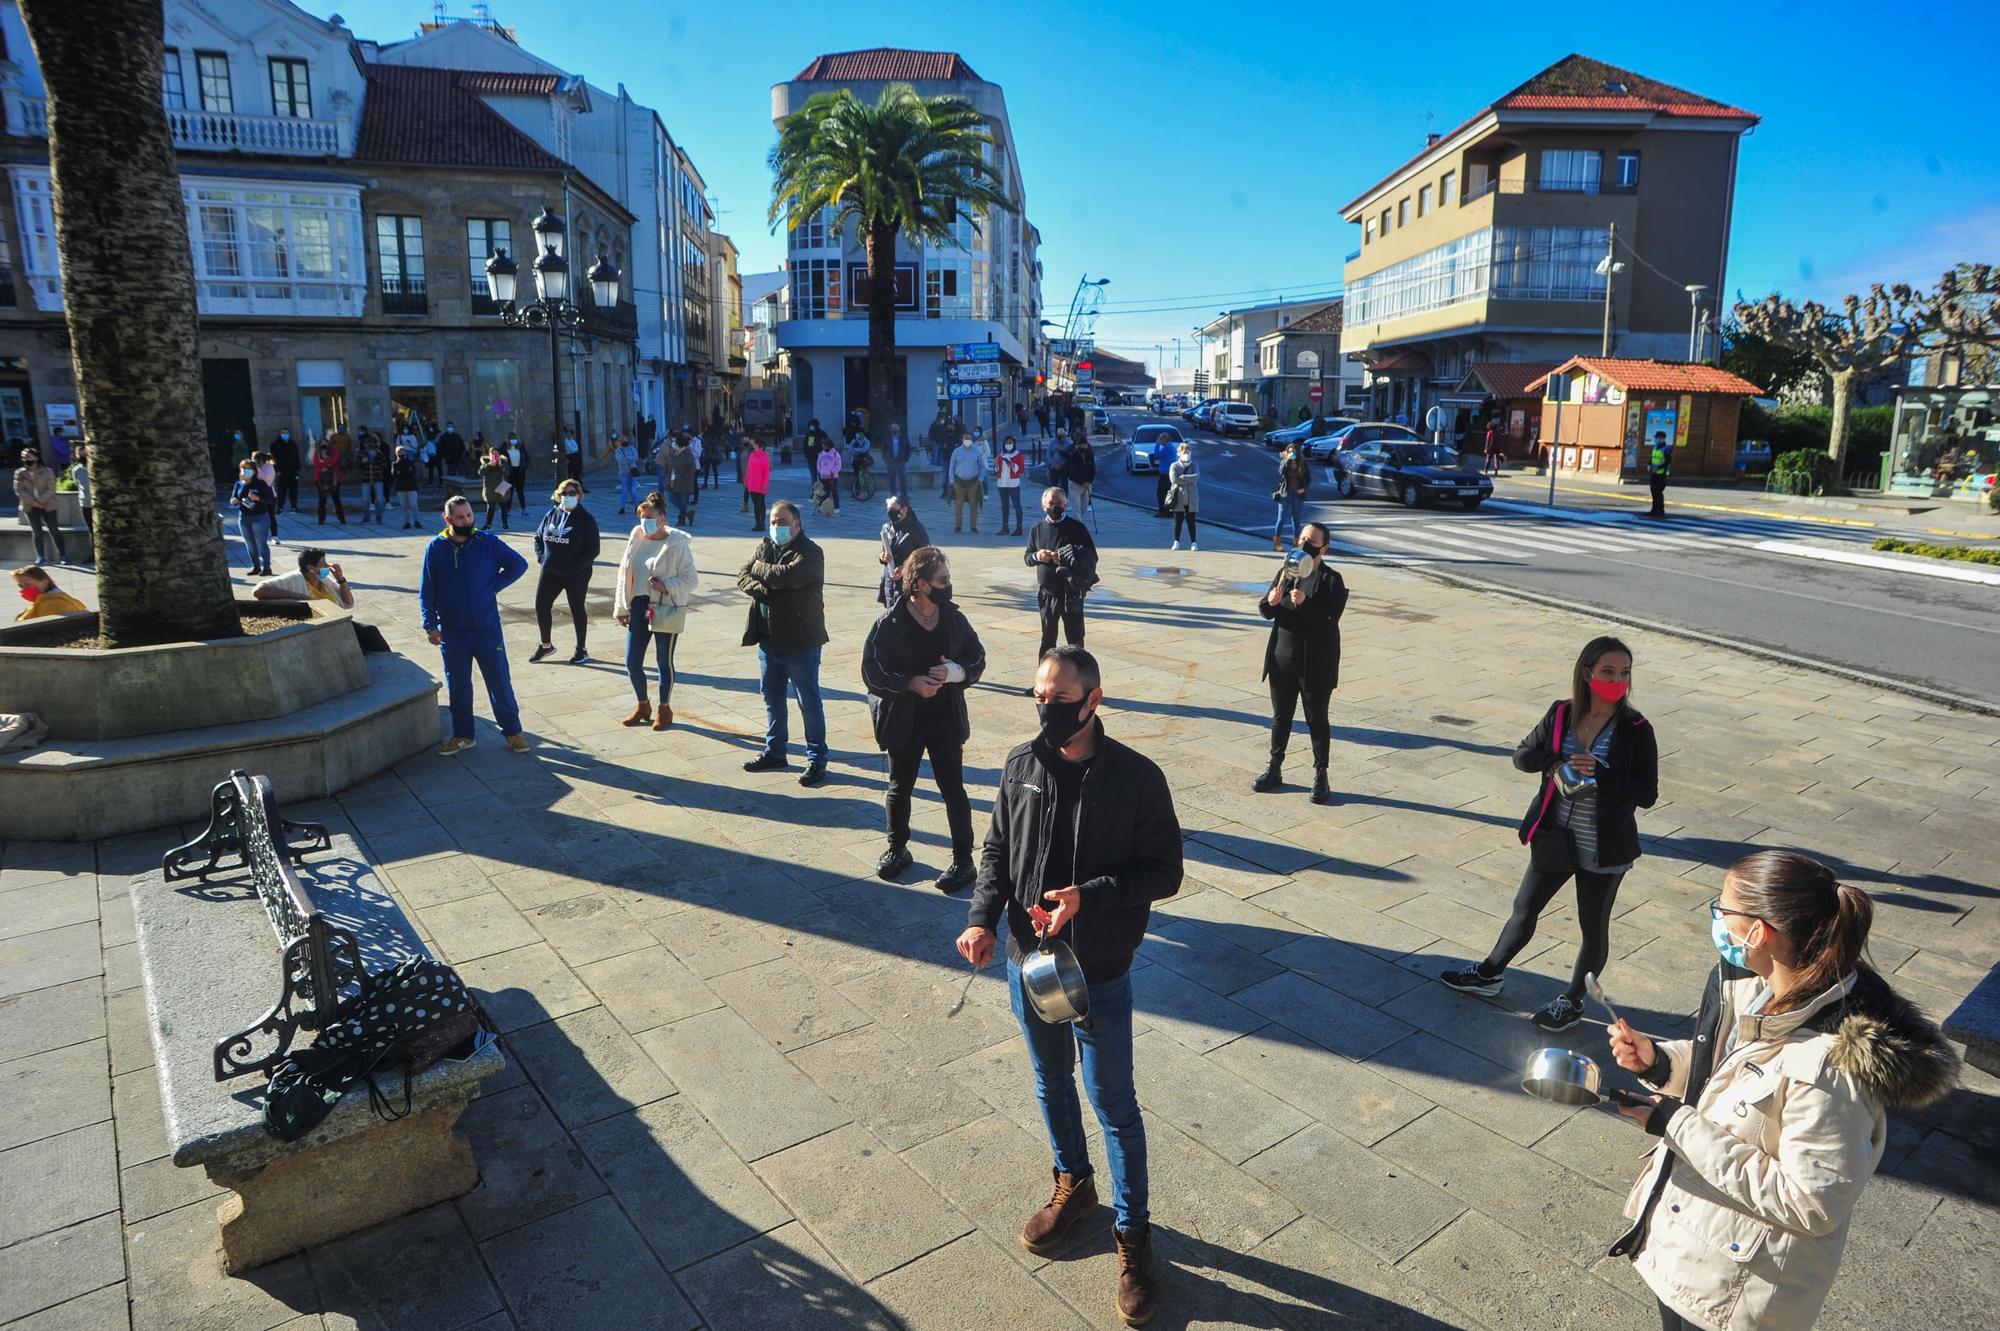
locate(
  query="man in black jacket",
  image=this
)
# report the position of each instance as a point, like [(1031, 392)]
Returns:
[(785, 581), (286, 462), (451, 450), (903, 535), (1087, 826), (1065, 562), (1302, 656)]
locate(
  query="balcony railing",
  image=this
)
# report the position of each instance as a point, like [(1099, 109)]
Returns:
[(1495, 185), (404, 295), (208, 131)]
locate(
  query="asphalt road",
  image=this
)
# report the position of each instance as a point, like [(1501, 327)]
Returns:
[(1701, 570)]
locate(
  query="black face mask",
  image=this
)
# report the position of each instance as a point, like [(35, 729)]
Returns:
[(1055, 512), (1060, 720), (463, 533), (1313, 551), (941, 595)]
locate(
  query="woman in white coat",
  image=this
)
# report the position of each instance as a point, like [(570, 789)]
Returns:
[(1771, 1118), (656, 580)]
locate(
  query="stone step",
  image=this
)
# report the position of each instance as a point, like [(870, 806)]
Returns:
[(80, 791)]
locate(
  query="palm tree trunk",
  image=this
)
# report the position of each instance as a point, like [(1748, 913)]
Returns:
[(881, 331), (128, 299)]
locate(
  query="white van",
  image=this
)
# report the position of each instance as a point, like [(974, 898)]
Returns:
[(1234, 418)]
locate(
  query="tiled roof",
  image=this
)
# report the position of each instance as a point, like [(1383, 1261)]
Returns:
[(430, 117), (1655, 376), (1510, 378), (1578, 83), (1402, 362), (1325, 319), (494, 84), (885, 63)]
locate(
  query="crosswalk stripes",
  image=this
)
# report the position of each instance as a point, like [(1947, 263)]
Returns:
[(1428, 537)]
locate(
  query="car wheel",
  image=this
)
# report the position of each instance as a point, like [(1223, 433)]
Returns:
[(1343, 485), (1412, 496), (1469, 504)]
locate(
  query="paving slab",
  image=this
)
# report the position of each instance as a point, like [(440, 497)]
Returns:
[(528, 1166), (50, 957), (177, 1282), (1314, 1279), (103, 1309), (587, 1067), (51, 1017), (58, 1265), (415, 1273), (842, 1184), (1388, 1210), (1362, 1103), (1510, 1284), (57, 1182), (781, 1281), (53, 1092), (756, 1100), (880, 1080), (970, 1282), (585, 1267)]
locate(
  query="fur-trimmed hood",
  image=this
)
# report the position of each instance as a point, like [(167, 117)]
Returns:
[(1880, 1039)]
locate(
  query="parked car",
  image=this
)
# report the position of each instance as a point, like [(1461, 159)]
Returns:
[(1328, 447), (1199, 410), (1139, 457), (1100, 421), (1234, 418), (1415, 473), (1291, 434), (1168, 404), (1753, 458)]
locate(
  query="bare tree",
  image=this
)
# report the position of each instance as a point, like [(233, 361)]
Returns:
[(1968, 320), (128, 300)]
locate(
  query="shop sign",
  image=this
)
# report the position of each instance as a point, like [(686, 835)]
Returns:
[(985, 372), (961, 352)]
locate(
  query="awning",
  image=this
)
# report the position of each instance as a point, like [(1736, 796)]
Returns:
[(1465, 400), (1403, 362)]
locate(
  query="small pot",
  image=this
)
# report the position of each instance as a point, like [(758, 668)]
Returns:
[(1053, 981), (1574, 785), (1562, 1076)]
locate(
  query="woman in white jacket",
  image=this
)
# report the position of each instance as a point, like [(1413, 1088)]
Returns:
[(656, 580), (1771, 1118)]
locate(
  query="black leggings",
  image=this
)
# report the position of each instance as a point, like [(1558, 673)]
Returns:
[(339, 509), (1595, 893), (1193, 535), (499, 504), (948, 770), (573, 585), (288, 490), (1673, 1321), (757, 499), (1286, 690)]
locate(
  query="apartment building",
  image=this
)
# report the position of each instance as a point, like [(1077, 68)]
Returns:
[(1489, 244), (1303, 355), (983, 286), (732, 359), (1227, 346)]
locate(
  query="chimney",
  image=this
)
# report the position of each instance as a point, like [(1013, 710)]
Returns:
[(1431, 139)]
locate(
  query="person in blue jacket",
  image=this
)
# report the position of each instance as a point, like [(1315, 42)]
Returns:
[(465, 570)]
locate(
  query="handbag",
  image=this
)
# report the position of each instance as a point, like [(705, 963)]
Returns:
[(504, 489)]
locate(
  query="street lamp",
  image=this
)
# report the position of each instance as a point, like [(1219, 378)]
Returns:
[(552, 308)]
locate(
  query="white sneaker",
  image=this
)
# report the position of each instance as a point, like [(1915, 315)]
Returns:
[(1175, 546), (1193, 545)]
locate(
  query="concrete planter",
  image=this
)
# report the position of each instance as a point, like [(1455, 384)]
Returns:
[(93, 695)]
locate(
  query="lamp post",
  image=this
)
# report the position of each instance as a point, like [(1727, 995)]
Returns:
[(552, 309)]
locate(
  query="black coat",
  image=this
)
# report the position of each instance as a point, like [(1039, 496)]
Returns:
[(1082, 463), (285, 456), (786, 587), (1305, 641), (1075, 569), (899, 543), (1627, 779), (567, 541), (889, 663), (1128, 853), (451, 448)]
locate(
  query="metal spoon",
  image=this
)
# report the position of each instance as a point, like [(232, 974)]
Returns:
[(1595, 989), (959, 1006)]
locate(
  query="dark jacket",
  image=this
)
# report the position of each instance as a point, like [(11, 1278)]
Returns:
[(899, 543), (898, 447), (567, 541), (1082, 463), (682, 474), (403, 475), (785, 585), (1075, 569), (1305, 641), (373, 464), (1128, 852), (285, 456), (1294, 476), (889, 663), (461, 586), (451, 448), (1628, 779)]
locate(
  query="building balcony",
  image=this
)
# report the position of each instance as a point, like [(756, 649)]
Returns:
[(619, 323), (196, 130), (404, 295)]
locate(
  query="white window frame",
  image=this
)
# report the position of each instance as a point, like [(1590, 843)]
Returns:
[(290, 107), (1423, 201), (1402, 213), (173, 82), (489, 236), (1447, 188), (1627, 180), (201, 59), (1571, 171)]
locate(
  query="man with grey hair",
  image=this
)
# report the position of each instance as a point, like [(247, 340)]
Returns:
[(785, 580)]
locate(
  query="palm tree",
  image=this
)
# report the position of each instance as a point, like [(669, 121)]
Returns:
[(128, 300), (905, 165)]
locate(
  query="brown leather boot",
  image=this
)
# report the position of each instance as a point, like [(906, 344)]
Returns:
[(1137, 1292), (641, 714), (1073, 1199), (1278, 544), (664, 718)]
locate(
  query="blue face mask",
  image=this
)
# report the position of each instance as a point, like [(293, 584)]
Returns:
[(779, 535), (1731, 951), (569, 502), (650, 526)]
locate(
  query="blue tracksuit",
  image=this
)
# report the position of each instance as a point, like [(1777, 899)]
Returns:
[(460, 595)]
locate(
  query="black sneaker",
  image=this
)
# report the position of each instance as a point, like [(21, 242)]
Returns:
[(539, 653), (1562, 1013), (959, 876), (579, 656), (814, 774), (768, 761), (892, 864), (1470, 981)]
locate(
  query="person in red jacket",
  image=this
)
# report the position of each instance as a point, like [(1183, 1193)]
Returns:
[(326, 479), (757, 479)]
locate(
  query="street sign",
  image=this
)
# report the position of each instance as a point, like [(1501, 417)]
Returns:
[(979, 373), (961, 352), (1069, 348), (1308, 360), (958, 391), (1315, 393)]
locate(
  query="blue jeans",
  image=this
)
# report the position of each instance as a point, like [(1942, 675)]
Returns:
[(461, 647), (683, 507), (628, 492), (255, 529), (799, 670), (895, 477), (1293, 507), (635, 653), (1105, 1037)]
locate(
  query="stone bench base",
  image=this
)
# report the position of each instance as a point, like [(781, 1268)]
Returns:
[(347, 1185)]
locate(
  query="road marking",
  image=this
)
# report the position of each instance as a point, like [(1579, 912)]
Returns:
[(1943, 567), (1717, 508), (1963, 535)]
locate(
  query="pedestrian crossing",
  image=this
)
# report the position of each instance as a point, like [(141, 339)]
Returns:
[(1501, 537)]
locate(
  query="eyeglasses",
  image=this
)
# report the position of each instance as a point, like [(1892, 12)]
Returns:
[(1716, 910)]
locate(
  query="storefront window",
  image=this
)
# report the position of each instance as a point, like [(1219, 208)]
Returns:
[(497, 398)]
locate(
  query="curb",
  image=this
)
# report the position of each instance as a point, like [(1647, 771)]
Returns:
[(1890, 683), (1934, 569)]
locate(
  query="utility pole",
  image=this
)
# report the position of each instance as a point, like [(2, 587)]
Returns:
[(1177, 351), (1610, 270), (1694, 316)]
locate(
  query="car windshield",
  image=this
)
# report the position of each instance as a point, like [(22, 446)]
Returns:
[(1424, 455), (1152, 434)]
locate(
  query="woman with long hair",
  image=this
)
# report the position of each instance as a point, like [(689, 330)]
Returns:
[(1770, 1118), (1599, 762), (656, 580)]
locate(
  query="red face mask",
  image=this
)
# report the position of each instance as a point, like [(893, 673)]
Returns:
[(31, 593), (1607, 691)]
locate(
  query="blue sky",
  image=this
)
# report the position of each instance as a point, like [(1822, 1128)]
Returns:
[(1197, 153)]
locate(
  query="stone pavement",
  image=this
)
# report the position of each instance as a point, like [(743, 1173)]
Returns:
[(734, 1099)]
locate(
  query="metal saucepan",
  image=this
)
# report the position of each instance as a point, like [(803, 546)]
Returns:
[(1574, 785), (1054, 982), (1563, 1076)]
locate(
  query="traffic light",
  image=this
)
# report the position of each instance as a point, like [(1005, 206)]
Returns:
[(1041, 379), (1084, 365)]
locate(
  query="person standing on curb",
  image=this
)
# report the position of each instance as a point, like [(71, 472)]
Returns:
[(917, 662), (566, 546), (827, 468), (572, 456), (1083, 840), (1184, 496), (1064, 558), (656, 579), (35, 491), (1659, 466), (1599, 762), (517, 469), (757, 480), (683, 477), (1302, 656), (785, 579), (1008, 469), (1294, 480), (373, 465), (963, 474), (465, 570), (903, 535)]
